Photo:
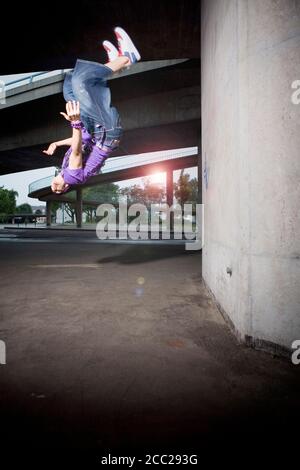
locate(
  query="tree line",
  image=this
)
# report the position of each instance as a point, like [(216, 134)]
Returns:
[(147, 192)]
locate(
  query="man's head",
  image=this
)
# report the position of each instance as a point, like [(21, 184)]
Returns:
[(58, 185)]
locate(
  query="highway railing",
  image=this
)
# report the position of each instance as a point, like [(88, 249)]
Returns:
[(40, 184)]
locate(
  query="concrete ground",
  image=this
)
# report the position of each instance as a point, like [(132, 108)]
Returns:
[(120, 348)]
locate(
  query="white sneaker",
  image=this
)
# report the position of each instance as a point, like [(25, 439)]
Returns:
[(112, 51), (126, 45)]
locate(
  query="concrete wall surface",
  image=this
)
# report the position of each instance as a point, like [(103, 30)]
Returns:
[(251, 165)]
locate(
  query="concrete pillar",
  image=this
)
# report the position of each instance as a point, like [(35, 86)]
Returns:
[(170, 194), (48, 213), (250, 146), (79, 207), (199, 171)]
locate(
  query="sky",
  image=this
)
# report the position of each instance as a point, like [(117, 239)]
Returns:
[(20, 182)]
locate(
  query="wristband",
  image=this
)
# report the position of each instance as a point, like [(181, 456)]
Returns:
[(76, 124)]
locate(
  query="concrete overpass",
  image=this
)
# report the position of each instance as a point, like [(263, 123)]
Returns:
[(159, 104)]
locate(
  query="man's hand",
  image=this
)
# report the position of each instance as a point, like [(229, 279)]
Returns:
[(73, 111), (51, 149)]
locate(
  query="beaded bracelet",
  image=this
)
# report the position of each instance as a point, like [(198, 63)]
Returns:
[(77, 124)]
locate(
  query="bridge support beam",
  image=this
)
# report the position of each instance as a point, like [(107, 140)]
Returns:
[(79, 207), (48, 213), (170, 194)]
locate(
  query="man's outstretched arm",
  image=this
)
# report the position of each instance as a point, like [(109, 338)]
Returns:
[(64, 142), (75, 160), (73, 115), (60, 143)]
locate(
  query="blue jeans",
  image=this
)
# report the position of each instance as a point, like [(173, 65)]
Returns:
[(87, 83)]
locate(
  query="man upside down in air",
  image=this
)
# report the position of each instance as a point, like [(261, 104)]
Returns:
[(96, 125)]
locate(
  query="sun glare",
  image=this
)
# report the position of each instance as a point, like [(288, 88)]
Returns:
[(158, 178)]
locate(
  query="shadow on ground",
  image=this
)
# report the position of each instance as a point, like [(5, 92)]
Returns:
[(145, 254)]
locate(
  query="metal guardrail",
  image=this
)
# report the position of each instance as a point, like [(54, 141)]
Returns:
[(41, 183), (30, 77), (24, 88), (131, 161)]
